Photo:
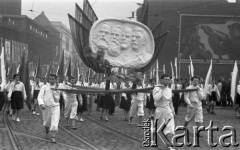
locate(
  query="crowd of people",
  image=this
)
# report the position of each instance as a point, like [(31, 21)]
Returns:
[(161, 103)]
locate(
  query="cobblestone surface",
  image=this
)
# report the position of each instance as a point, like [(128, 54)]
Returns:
[(105, 135)]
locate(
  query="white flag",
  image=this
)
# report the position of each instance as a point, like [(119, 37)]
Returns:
[(191, 67), (176, 67), (3, 69), (172, 71), (234, 81), (207, 80)]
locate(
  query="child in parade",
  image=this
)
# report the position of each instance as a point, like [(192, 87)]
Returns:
[(150, 101), (194, 102), (213, 96), (17, 95), (162, 96), (34, 91), (107, 99), (71, 104), (125, 101), (48, 99), (137, 103)]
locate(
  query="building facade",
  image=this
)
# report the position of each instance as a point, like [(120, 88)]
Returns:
[(172, 11), (68, 47)]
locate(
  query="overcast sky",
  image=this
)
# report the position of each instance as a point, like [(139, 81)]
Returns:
[(57, 10)]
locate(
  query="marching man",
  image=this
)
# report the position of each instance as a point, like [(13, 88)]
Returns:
[(193, 99), (164, 108), (48, 100), (71, 105)]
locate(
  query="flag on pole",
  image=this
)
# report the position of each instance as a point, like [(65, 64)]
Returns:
[(191, 67), (157, 75), (207, 80), (3, 69), (176, 67), (164, 69), (60, 71), (151, 73), (234, 81), (69, 70), (173, 77), (38, 71)]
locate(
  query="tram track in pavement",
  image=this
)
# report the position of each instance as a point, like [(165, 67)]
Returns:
[(134, 139), (12, 136), (91, 146)]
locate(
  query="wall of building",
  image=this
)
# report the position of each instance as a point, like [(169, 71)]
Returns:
[(170, 11)]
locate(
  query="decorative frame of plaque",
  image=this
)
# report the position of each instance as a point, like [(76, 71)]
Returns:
[(125, 43)]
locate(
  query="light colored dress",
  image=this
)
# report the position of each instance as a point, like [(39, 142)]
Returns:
[(164, 111)]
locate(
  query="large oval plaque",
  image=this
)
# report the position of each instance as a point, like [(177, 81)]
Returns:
[(125, 43)]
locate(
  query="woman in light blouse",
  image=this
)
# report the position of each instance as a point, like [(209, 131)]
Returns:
[(17, 95)]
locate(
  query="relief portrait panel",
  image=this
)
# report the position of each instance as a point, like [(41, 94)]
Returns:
[(125, 43)]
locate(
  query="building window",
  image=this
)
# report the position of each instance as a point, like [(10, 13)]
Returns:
[(30, 27), (36, 31), (46, 35)]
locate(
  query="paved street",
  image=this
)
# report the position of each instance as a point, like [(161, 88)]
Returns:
[(115, 134)]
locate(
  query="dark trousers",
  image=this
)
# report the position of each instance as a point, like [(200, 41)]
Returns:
[(176, 101)]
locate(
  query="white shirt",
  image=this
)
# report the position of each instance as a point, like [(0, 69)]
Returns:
[(7, 87), (211, 89), (48, 97), (17, 87), (139, 96), (162, 97), (36, 86), (194, 96)]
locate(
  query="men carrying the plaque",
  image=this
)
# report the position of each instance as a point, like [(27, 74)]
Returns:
[(48, 99), (193, 100), (164, 108), (71, 104), (34, 91), (17, 95)]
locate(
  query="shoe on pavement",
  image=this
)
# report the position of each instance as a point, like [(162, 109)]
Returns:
[(170, 148), (34, 113), (18, 120), (38, 114), (106, 119), (53, 140), (81, 119)]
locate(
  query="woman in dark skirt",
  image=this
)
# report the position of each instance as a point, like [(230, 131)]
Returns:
[(150, 101), (17, 95), (125, 102)]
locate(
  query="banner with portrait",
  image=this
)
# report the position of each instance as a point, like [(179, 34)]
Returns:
[(206, 37)]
